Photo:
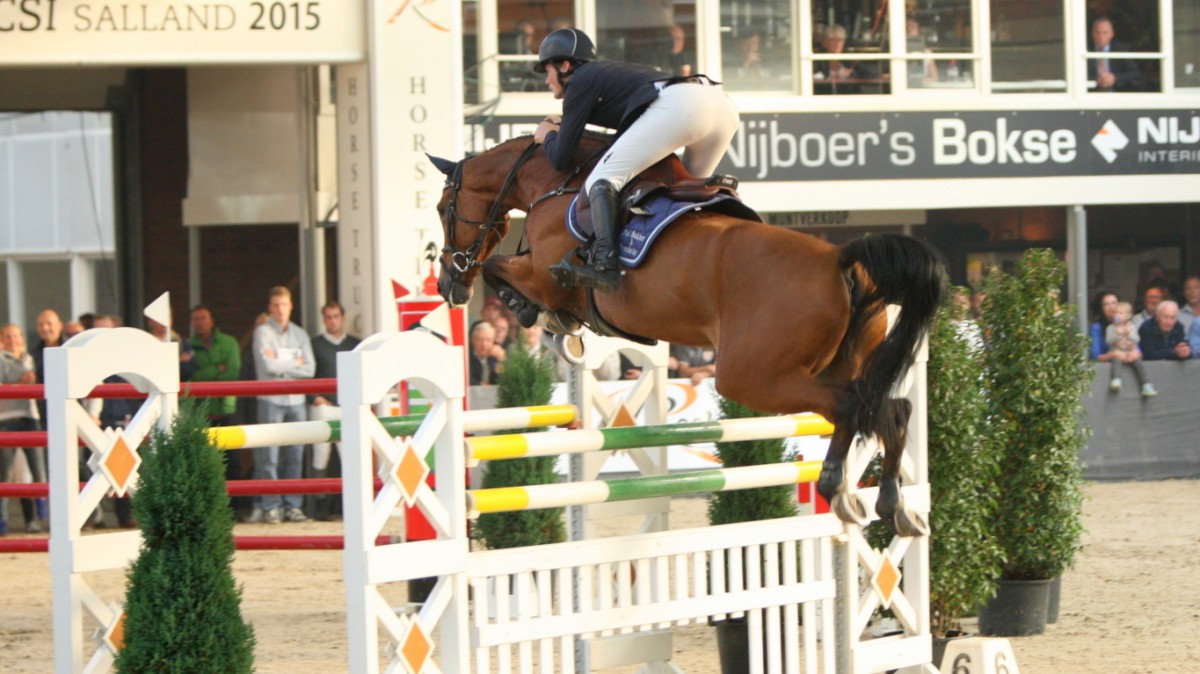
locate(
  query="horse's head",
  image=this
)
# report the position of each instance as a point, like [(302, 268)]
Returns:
[(474, 219)]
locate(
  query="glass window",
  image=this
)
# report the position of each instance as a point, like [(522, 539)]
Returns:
[(838, 68), (1187, 43), (1123, 29), (756, 45), (47, 286), (658, 33), (492, 69), (942, 31), (1028, 54)]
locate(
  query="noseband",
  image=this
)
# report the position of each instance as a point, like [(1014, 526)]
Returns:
[(464, 261)]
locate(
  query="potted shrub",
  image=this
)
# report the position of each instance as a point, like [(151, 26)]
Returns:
[(745, 506), (963, 468), (1037, 373), (182, 606), (527, 379)]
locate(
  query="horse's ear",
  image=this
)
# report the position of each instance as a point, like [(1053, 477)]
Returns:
[(444, 165)]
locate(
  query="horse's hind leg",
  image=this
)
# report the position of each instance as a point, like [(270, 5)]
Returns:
[(833, 482), (893, 435)]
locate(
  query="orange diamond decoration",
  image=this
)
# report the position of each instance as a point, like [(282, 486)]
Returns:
[(120, 463), (416, 648), (409, 473), (622, 418), (886, 580), (114, 637)]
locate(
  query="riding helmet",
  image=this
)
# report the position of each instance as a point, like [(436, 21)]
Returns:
[(565, 44)]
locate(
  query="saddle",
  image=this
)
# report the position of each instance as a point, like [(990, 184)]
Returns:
[(669, 177)]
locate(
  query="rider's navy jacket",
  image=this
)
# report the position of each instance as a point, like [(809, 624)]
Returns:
[(610, 94)]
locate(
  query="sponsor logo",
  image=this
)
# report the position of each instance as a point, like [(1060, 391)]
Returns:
[(1109, 140)]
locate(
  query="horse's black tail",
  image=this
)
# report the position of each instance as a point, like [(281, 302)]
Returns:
[(904, 271)]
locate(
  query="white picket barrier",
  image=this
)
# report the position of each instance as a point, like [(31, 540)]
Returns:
[(547, 608)]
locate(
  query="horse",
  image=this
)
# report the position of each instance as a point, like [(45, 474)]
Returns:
[(799, 324)]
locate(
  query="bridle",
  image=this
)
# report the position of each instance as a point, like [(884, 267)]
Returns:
[(464, 261)]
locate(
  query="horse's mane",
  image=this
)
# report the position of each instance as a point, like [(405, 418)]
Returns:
[(589, 144)]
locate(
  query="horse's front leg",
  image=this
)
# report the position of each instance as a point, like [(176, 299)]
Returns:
[(523, 284)]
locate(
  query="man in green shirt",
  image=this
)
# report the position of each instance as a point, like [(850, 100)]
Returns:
[(218, 357)]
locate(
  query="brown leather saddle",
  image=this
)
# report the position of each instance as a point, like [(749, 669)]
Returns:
[(669, 177)]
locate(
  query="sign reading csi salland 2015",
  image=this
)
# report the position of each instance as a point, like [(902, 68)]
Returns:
[(83, 32)]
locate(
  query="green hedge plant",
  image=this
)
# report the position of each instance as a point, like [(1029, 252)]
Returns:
[(964, 463), (749, 505), (1037, 373)]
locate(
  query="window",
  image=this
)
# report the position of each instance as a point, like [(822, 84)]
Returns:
[(658, 33), (1027, 46), (756, 45), (1187, 43), (1117, 37), (500, 47)]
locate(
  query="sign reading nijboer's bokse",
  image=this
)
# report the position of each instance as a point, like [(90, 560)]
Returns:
[(83, 32)]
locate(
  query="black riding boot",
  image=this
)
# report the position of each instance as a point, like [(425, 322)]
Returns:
[(603, 271)]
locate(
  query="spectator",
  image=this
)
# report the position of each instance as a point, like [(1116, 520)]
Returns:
[(17, 367), (1191, 298), (71, 329), (693, 362), (485, 364), (1163, 338), (1104, 308), (187, 367), (1110, 74), (216, 357), (679, 59), (282, 351), (965, 326), (1153, 296), (844, 77), (923, 71), (113, 413), (326, 345), (1122, 339), (504, 336), (50, 333)]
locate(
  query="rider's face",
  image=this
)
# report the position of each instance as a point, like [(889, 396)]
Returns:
[(552, 70)]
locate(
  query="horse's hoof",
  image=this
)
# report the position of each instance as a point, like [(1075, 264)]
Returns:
[(907, 523), (849, 509), (559, 323), (570, 347)]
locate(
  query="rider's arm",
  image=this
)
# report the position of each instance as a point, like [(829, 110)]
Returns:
[(577, 107)]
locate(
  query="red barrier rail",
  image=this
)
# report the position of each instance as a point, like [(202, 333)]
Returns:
[(241, 542), (323, 485), (196, 389)]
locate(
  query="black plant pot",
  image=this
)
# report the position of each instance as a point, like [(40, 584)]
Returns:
[(1017, 610), (940, 643), (1055, 598), (733, 646)]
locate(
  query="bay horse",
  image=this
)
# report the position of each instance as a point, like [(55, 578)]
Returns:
[(798, 324)]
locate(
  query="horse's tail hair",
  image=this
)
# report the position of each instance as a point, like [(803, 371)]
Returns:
[(904, 271)]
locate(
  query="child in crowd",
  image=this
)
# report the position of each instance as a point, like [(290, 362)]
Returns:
[(1122, 336)]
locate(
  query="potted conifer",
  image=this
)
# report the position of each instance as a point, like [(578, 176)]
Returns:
[(963, 468), (528, 379), (182, 606), (1037, 373), (747, 505)]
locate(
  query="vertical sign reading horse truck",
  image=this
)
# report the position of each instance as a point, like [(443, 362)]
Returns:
[(416, 107)]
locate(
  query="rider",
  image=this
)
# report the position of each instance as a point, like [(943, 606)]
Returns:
[(653, 113)]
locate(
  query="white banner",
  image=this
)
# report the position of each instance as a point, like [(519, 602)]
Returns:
[(416, 107), (90, 32)]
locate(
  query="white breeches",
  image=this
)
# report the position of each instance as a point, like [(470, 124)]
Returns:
[(699, 118), (321, 450)]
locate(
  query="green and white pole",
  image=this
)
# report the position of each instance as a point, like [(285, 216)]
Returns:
[(510, 499), (518, 445), (307, 432)]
